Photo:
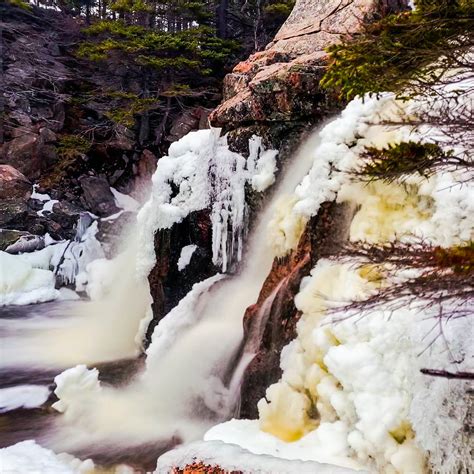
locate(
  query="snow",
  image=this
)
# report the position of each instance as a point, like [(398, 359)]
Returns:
[(185, 256), (231, 457), (23, 396), (201, 172), (48, 203), (247, 435), (124, 201), (39, 196), (261, 164), (441, 408), (32, 277), (28, 457)]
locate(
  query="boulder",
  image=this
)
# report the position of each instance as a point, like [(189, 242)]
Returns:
[(67, 216), (22, 151), (17, 241), (98, 197), (13, 184)]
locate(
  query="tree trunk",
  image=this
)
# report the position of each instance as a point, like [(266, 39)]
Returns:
[(222, 18)]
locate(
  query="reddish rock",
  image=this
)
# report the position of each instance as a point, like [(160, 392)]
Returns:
[(201, 468), (13, 184), (323, 237), (22, 151), (293, 63)]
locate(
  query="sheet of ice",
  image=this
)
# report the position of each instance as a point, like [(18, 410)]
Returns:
[(232, 457), (23, 396), (29, 457), (185, 256), (124, 201)]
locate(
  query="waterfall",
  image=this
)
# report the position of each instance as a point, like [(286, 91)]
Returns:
[(182, 390)]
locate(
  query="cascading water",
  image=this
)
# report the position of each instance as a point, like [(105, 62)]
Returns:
[(181, 393)]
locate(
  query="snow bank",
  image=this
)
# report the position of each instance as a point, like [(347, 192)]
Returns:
[(232, 457), (21, 283), (327, 446), (199, 172), (23, 396), (29, 457), (31, 277)]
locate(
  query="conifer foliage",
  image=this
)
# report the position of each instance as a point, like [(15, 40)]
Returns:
[(415, 48)]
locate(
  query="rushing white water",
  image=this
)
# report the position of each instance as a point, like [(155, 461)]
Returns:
[(180, 394), (101, 330)]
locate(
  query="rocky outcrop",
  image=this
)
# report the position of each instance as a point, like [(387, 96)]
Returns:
[(56, 128), (281, 83), (168, 284), (276, 95)]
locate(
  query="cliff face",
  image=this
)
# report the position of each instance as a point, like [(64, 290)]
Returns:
[(281, 83)]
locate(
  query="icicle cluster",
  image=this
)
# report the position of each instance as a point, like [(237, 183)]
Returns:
[(201, 172)]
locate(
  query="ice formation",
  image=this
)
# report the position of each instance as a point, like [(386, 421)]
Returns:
[(201, 171), (185, 256), (32, 277), (23, 396), (30, 457), (351, 388), (21, 283)]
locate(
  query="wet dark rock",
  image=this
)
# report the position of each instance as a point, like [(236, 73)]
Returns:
[(98, 197), (145, 168), (168, 285), (67, 216), (323, 237)]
